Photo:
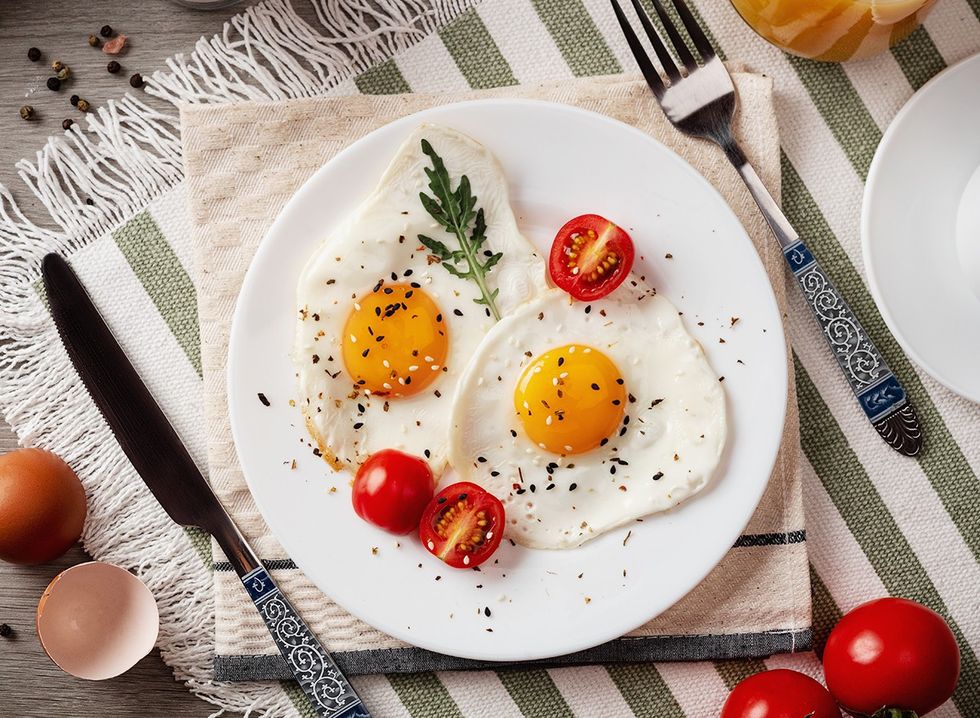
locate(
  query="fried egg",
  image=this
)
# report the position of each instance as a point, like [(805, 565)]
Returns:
[(581, 417), (383, 332)]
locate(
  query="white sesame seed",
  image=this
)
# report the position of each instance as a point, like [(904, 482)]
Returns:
[(547, 420), (357, 307), (431, 546), (466, 560), (567, 447), (571, 349), (401, 381), (429, 360), (413, 367), (353, 339), (386, 385), (386, 364), (479, 381), (435, 367), (587, 350), (554, 381), (489, 535), (537, 370), (563, 375)]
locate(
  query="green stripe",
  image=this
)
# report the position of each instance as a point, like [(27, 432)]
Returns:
[(535, 693), (424, 696), (299, 700), (201, 541), (577, 37), (842, 109), (919, 58), (734, 672), (826, 614), (476, 54), (873, 527), (942, 461), (383, 79), (165, 280), (644, 690)]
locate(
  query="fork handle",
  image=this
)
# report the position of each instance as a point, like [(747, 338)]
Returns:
[(881, 396)]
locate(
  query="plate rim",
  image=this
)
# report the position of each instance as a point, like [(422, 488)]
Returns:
[(781, 382), (885, 147)]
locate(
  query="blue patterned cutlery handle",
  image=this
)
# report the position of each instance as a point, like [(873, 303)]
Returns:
[(877, 389), (329, 692)]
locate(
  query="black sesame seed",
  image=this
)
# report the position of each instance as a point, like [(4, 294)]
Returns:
[(438, 318), (495, 473), (612, 469), (622, 431), (549, 487), (441, 500), (408, 272), (561, 360), (394, 277), (358, 425), (360, 408), (481, 459), (388, 290), (595, 387), (462, 497), (620, 381), (616, 402), (572, 486), (532, 487), (365, 352), (603, 442), (486, 611), (427, 453), (588, 308), (657, 476), (519, 492), (513, 433), (458, 312), (263, 399)]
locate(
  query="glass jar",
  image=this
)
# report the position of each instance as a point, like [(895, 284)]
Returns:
[(833, 30)]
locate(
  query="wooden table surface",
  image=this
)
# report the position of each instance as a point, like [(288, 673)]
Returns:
[(30, 685)]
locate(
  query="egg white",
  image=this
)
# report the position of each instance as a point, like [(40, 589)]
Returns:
[(379, 241), (676, 428)]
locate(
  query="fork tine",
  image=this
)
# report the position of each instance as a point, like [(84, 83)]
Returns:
[(636, 47), (658, 45), (680, 47), (701, 41)]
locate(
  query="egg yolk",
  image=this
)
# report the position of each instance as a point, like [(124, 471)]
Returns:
[(395, 341), (570, 399)]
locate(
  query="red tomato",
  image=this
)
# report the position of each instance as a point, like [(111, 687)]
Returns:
[(891, 653), (391, 490), (462, 525), (780, 694), (590, 257)]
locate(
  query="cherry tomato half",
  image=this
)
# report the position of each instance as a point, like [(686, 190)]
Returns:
[(891, 653), (392, 489), (780, 694), (590, 257), (462, 525)]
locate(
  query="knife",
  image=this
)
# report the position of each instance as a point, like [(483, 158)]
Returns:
[(160, 458)]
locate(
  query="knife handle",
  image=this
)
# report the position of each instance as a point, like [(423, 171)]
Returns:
[(330, 694), (877, 389)]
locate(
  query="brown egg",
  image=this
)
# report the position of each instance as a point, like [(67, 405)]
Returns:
[(42, 506)]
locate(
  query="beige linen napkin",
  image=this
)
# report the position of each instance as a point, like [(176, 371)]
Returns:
[(244, 161)]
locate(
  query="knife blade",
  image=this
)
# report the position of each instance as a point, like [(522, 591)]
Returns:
[(155, 450)]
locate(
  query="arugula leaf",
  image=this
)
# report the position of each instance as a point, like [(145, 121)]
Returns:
[(455, 210)]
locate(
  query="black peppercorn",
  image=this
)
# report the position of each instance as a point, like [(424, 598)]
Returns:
[(5, 630), (73, 100), (136, 80), (106, 31), (33, 54), (54, 84), (66, 125), (94, 41), (113, 67)]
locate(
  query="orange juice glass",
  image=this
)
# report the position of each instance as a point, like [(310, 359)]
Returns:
[(833, 30)]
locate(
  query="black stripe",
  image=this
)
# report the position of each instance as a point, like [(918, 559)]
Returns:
[(273, 564), (770, 539), (773, 539), (621, 650)]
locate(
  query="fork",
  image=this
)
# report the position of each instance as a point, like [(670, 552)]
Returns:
[(698, 97)]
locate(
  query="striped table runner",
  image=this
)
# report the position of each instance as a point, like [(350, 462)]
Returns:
[(877, 524)]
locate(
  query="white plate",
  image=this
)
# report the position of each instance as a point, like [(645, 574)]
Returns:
[(920, 227), (560, 162)]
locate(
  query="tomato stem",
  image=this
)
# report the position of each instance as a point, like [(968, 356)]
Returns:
[(887, 712)]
